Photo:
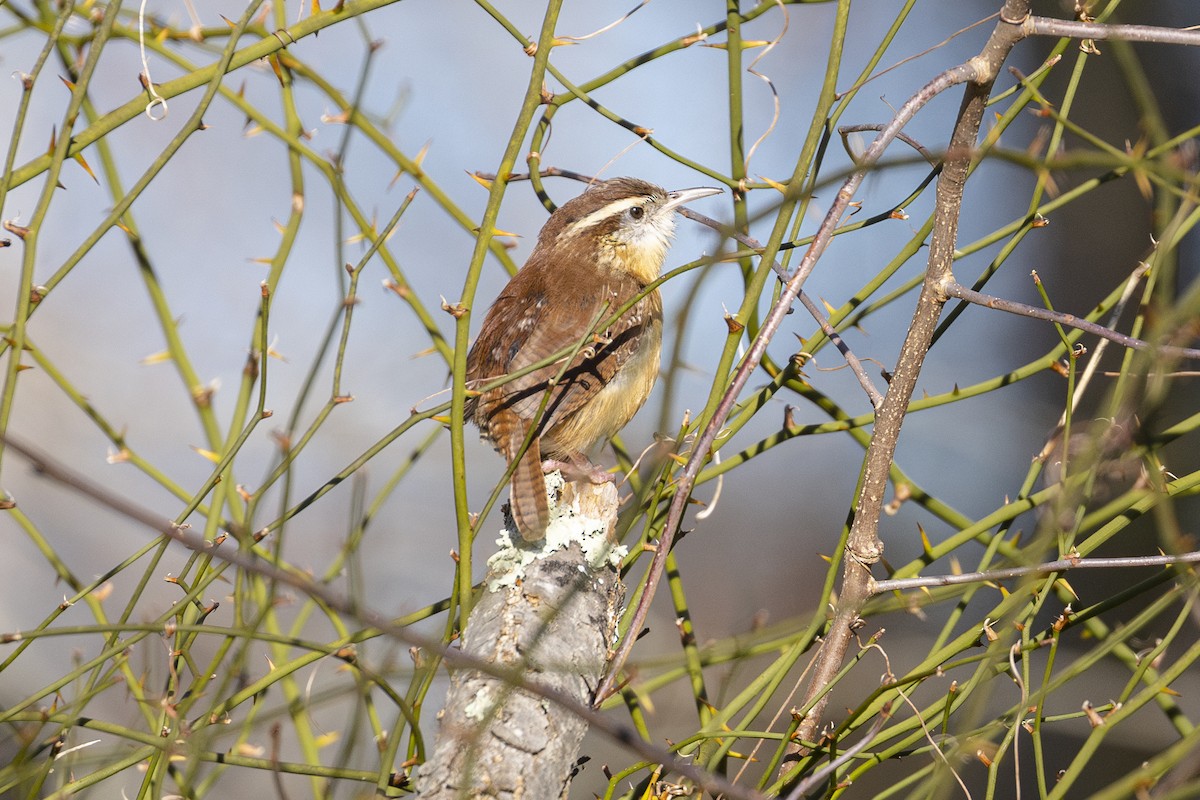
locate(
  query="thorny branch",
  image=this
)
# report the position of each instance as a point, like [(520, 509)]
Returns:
[(57, 472), (863, 543), (863, 547), (820, 776), (809, 304), (758, 348)]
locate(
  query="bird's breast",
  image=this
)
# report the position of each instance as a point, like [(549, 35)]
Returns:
[(615, 404)]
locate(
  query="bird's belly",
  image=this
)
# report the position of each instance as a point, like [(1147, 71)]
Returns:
[(614, 405)]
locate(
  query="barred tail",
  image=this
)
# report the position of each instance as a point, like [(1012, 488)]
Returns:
[(528, 494)]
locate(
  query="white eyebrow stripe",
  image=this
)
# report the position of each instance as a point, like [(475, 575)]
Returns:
[(615, 207)]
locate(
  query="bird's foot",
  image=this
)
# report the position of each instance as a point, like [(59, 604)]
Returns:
[(577, 469)]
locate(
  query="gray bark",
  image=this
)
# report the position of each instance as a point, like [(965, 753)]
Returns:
[(551, 614)]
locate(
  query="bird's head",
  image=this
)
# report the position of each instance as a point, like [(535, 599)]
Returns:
[(624, 224)]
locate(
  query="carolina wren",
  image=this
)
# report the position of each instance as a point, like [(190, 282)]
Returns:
[(595, 254)]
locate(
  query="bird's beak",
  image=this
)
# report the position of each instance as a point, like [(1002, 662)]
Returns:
[(681, 197)]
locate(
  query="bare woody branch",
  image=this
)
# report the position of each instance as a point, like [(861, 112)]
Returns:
[(1061, 565), (758, 347), (863, 547), (846, 756), (1073, 29), (955, 289)]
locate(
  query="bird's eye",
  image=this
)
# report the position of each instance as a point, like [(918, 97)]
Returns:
[(636, 213)]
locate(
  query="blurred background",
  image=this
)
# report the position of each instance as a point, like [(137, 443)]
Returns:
[(445, 84)]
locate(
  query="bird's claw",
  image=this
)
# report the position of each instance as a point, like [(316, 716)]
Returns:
[(580, 469)]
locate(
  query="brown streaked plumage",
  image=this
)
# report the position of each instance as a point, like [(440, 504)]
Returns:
[(595, 254)]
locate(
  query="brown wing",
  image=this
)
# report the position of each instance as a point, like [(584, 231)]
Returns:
[(515, 312), (533, 320)]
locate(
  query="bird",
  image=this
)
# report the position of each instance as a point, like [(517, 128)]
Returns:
[(595, 254)]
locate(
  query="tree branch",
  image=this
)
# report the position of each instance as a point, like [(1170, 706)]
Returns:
[(700, 452), (1061, 565), (304, 583), (954, 289), (863, 547), (820, 776), (550, 612), (1072, 29)]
